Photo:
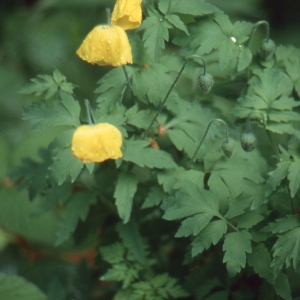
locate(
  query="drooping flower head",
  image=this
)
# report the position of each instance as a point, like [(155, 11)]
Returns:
[(106, 45), (97, 143), (127, 14)]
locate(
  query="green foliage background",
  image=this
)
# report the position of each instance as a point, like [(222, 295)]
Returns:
[(160, 225)]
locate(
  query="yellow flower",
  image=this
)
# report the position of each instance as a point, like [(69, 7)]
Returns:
[(96, 143), (127, 14), (106, 45)]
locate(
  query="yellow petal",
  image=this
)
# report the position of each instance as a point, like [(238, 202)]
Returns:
[(97, 143), (106, 45), (127, 14)]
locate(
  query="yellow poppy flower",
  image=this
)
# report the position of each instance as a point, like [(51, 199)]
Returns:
[(106, 45), (97, 143), (127, 14)]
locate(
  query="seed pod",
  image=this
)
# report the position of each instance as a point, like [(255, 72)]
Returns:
[(161, 130), (228, 147), (248, 141), (205, 82), (267, 49)]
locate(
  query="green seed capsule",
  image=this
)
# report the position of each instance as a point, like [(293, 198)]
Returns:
[(228, 147), (205, 82), (267, 49), (248, 141)]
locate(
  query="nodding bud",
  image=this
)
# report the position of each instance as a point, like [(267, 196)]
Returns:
[(267, 49), (248, 141), (161, 130), (228, 147), (205, 82)]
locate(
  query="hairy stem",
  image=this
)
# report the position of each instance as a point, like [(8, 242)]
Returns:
[(255, 27), (127, 77), (206, 132), (162, 105), (89, 113)]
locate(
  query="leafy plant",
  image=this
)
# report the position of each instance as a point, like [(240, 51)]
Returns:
[(197, 205)]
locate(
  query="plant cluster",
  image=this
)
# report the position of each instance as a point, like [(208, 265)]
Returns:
[(183, 172)]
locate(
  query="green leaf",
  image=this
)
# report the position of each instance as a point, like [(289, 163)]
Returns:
[(236, 245), (205, 36), (283, 116), (260, 260), (235, 177), (282, 287), (245, 58), (161, 286), (294, 178), (176, 22), (154, 198), (164, 5), (76, 209), (125, 190), (151, 84), (224, 22), (281, 225), (286, 250), (65, 165), (111, 89), (136, 152), (113, 253), (48, 84), (194, 225), (121, 272), (237, 206), (270, 85), (227, 49), (174, 179), (182, 141), (269, 92), (63, 112), (249, 219), (15, 211), (132, 239), (139, 119), (192, 7), (189, 201), (211, 234), (62, 140), (33, 175), (156, 32), (14, 287), (51, 198), (282, 128)]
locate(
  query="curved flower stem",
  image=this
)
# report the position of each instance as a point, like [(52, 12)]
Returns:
[(206, 132), (256, 25), (162, 105), (273, 145), (127, 77), (271, 140), (89, 113)]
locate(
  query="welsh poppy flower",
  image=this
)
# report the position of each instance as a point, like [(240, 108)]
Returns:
[(106, 45), (127, 14), (97, 143)]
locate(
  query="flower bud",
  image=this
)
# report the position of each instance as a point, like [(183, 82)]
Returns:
[(248, 141), (228, 147), (205, 82), (161, 130), (267, 49)]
